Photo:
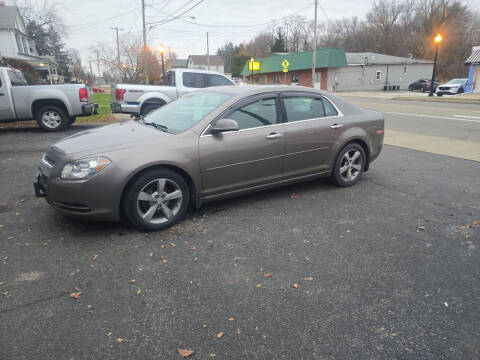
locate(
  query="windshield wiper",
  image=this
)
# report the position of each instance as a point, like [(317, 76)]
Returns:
[(157, 126)]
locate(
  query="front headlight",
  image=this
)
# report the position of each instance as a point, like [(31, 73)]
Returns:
[(84, 168)]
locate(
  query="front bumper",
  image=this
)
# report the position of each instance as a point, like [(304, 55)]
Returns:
[(89, 109)]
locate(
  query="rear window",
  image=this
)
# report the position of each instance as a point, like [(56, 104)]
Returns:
[(170, 79), (193, 80), (16, 78)]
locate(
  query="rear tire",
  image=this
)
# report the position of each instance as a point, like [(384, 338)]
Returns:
[(439, 94), (156, 200), (349, 165), (410, 88), (148, 108), (460, 91), (52, 118)]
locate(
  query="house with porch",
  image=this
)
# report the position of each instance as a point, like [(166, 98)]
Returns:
[(15, 43)]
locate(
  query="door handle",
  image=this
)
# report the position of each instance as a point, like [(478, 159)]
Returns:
[(2, 94), (273, 135), (336, 126)]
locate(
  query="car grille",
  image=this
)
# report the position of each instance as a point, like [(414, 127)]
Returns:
[(444, 88), (80, 208)]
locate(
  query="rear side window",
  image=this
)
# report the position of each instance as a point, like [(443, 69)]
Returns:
[(170, 79), (193, 80), (259, 113), (329, 108), (217, 80), (16, 78), (303, 107)]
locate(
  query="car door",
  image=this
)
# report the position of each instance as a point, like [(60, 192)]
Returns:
[(312, 125), (6, 110), (249, 157)]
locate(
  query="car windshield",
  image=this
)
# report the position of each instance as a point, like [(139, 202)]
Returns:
[(185, 112), (456, 81)]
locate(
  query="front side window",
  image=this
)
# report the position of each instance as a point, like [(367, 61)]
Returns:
[(259, 113), (217, 80), (378, 75), (303, 107), (193, 80), (187, 111), (16, 78)]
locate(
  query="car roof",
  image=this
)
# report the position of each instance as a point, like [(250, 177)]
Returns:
[(258, 89)]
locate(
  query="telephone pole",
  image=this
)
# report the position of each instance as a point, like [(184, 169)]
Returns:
[(314, 46), (144, 39), (208, 55), (98, 65), (117, 29)]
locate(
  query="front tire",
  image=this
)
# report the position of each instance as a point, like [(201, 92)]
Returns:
[(349, 165), (156, 200), (52, 118), (410, 88)]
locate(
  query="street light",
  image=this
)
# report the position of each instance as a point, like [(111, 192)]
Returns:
[(161, 50), (251, 61), (438, 39)]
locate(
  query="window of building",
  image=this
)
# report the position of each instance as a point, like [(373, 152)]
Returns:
[(19, 43), (405, 69), (276, 79), (378, 75), (193, 80), (303, 108), (294, 78), (25, 48), (259, 113)]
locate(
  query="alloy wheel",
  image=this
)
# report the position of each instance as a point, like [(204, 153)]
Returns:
[(51, 119), (351, 165), (159, 201)]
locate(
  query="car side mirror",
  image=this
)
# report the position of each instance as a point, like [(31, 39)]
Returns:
[(224, 125)]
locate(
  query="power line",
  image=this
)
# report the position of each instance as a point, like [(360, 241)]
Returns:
[(176, 16), (106, 19)]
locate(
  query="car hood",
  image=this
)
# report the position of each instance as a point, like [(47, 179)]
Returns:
[(108, 138)]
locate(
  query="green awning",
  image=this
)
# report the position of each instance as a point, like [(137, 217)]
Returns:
[(328, 57)]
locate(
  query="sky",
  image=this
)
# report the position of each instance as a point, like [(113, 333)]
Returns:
[(88, 22)]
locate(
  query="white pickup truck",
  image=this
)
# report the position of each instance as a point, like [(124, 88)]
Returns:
[(141, 99), (54, 107)]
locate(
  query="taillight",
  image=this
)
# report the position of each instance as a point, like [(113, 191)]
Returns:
[(83, 94), (119, 94)]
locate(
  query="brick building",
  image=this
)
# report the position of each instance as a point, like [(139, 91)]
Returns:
[(299, 68)]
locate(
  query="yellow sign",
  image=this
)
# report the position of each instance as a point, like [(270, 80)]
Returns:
[(285, 70), (254, 65), (285, 65)]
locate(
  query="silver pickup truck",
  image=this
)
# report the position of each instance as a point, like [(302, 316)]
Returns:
[(54, 107), (141, 99)]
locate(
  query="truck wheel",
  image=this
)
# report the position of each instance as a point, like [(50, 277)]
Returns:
[(52, 118), (148, 108)]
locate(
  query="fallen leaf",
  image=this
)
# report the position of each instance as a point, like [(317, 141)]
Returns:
[(445, 303), (267, 275), (162, 246), (17, 214), (172, 245), (5, 293), (195, 259), (1, 283), (10, 238), (185, 352), (89, 306), (95, 256), (220, 335), (258, 285), (421, 228), (135, 246), (120, 340), (231, 319), (92, 266), (308, 279), (133, 281), (109, 334), (164, 260), (256, 328), (204, 326), (140, 269), (139, 292), (393, 334), (295, 285), (238, 331), (213, 354), (76, 295), (1, 225), (294, 196), (192, 248)]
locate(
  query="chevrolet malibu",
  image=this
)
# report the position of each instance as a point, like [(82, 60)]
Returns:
[(208, 145)]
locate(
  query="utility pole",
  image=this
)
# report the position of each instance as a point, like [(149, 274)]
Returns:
[(98, 65), (117, 29), (91, 71), (208, 55), (314, 53), (144, 39)]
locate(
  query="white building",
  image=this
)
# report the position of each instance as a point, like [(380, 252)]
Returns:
[(371, 71), (15, 43), (204, 62)]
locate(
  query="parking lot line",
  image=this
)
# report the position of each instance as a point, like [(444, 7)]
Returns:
[(431, 116)]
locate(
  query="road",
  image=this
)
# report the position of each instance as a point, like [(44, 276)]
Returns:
[(447, 129), (387, 269)]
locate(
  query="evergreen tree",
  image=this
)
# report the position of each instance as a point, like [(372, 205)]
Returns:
[(279, 43)]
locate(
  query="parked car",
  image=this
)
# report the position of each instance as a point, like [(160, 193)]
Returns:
[(142, 99), (208, 145), (452, 87), (97, 90), (54, 107), (422, 85)]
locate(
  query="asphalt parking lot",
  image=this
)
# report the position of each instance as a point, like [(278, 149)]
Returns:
[(388, 269)]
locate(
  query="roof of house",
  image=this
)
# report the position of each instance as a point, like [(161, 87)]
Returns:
[(326, 57), (202, 60), (8, 16), (371, 58), (474, 58), (179, 63)]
